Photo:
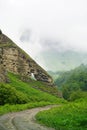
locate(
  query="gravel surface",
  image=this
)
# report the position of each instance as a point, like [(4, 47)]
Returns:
[(24, 120)]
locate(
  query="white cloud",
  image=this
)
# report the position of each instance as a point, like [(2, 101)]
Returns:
[(64, 21)]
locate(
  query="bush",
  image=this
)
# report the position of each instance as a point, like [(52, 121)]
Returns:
[(77, 95), (68, 89), (21, 98), (9, 94)]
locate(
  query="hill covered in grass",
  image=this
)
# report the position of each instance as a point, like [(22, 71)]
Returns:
[(25, 94)]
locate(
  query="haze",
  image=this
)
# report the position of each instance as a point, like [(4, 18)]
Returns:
[(42, 25)]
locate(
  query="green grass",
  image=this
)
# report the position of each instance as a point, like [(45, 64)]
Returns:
[(35, 97), (19, 107), (32, 88), (26, 88), (72, 116)]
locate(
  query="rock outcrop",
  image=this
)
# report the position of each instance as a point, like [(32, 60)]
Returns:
[(13, 59)]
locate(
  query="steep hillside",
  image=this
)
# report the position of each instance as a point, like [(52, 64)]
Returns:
[(22, 80), (21, 95), (15, 81), (29, 93), (15, 60)]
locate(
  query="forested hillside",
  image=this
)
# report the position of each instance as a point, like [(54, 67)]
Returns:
[(73, 83)]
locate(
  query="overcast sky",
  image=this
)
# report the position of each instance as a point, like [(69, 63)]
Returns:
[(40, 25)]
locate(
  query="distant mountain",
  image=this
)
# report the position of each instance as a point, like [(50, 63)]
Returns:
[(62, 61), (73, 83), (77, 75)]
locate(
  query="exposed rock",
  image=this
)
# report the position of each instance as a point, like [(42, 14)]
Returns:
[(3, 75), (15, 60)]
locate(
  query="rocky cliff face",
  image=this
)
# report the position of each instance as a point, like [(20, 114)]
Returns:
[(15, 60)]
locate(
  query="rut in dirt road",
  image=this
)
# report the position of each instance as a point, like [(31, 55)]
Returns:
[(24, 120)]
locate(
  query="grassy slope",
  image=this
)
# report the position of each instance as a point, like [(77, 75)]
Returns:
[(32, 93), (36, 97), (72, 116)]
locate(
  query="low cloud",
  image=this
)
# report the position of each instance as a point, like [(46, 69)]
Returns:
[(25, 36), (41, 25)]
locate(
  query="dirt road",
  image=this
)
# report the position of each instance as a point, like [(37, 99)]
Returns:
[(24, 120)]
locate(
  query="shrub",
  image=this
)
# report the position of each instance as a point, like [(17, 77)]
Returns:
[(68, 89), (9, 94), (77, 95)]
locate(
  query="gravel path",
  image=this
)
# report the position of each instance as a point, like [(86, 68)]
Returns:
[(24, 120)]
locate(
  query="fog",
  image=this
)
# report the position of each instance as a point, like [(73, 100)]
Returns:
[(42, 25)]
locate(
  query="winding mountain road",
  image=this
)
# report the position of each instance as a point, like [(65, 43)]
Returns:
[(24, 120)]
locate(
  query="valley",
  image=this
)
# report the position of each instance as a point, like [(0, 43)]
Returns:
[(33, 99)]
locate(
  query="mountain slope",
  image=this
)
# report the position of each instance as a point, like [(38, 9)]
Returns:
[(24, 96), (22, 80), (15, 60)]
